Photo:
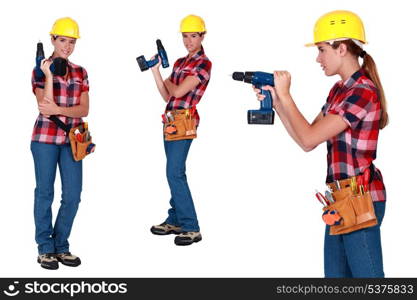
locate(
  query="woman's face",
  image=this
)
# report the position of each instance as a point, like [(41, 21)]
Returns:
[(192, 41), (64, 46), (328, 58)]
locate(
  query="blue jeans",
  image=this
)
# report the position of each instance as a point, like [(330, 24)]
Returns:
[(356, 254), (182, 212), (47, 157)]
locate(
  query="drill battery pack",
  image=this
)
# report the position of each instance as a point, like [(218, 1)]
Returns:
[(143, 65), (264, 117)]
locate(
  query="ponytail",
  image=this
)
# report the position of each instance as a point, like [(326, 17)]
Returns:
[(371, 72), (369, 67)]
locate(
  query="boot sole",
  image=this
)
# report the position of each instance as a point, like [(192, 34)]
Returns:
[(47, 267), (165, 232), (186, 243), (69, 264)]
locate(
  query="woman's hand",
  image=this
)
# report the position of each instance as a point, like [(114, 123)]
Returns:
[(48, 107), (275, 99), (282, 82), (156, 67), (45, 67)]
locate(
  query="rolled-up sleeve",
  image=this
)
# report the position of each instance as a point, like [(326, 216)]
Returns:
[(202, 71), (37, 82), (85, 84), (355, 106)]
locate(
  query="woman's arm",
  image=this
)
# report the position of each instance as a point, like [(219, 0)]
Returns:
[(42, 94), (283, 117), (77, 111), (160, 84), (48, 107), (318, 118), (187, 85), (45, 98), (292, 132), (168, 89), (47, 91), (309, 135), (159, 81), (306, 135)]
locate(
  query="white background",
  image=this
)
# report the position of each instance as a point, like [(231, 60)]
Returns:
[(253, 187)]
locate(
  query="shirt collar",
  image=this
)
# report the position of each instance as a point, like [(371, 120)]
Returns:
[(198, 54), (353, 79)]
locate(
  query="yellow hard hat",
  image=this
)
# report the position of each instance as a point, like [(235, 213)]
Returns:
[(65, 27), (338, 25), (192, 23)]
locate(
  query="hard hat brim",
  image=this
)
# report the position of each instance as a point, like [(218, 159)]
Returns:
[(342, 39), (193, 31), (70, 36), (310, 45)]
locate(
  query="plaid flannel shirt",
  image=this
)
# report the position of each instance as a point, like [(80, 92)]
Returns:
[(353, 150), (198, 65), (67, 93)]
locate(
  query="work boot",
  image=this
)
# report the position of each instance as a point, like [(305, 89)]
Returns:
[(68, 259), (164, 229), (187, 238), (48, 261)]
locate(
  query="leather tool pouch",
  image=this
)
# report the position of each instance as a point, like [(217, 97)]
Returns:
[(80, 149), (180, 126), (356, 210), (81, 146)]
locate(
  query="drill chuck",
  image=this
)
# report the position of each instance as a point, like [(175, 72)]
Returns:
[(39, 50), (243, 76), (162, 54), (238, 76), (159, 45)]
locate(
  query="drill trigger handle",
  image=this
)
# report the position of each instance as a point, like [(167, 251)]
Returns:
[(266, 104), (154, 61)]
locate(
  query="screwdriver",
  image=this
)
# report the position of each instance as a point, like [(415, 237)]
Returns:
[(321, 198)]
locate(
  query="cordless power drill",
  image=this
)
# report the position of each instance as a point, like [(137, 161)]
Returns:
[(162, 54), (265, 115), (58, 66)]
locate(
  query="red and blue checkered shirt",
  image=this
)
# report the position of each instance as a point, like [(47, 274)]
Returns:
[(67, 93), (198, 65), (353, 150)]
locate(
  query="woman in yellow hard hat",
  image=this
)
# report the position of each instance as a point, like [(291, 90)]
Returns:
[(182, 91), (66, 97), (349, 122)]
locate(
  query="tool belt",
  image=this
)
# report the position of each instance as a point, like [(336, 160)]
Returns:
[(80, 138), (352, 208), (180, 124)]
